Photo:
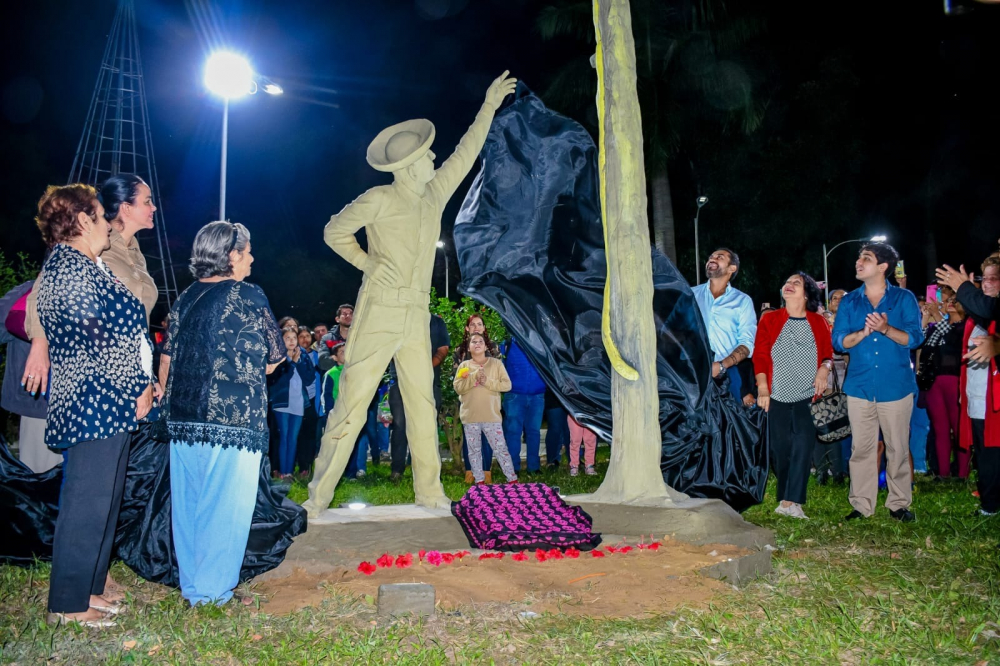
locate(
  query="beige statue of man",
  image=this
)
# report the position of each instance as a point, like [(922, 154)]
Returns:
[(391, 317)]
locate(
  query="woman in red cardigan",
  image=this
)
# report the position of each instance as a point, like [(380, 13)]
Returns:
[(792, 358)]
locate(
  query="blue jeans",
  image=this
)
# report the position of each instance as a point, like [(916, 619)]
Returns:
[(523, 416), (288, 433), (368, 439), (212, 495), (735, 384), (920, 426), (557, 436)]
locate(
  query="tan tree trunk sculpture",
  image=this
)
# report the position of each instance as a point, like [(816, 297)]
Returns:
[(628, 328)]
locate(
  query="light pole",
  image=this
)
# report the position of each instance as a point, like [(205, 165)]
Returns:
[(826, 253), (444, 254), (701, 201), (230, 76)]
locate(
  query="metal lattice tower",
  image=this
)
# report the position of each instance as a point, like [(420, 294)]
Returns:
[(116, 138)]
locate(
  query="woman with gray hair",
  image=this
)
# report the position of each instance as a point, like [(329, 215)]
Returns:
[(223, 341)]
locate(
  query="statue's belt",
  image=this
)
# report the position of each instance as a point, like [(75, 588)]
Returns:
[(400, 296)]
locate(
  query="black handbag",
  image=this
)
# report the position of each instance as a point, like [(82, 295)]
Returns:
[(829, 415), (927, 372)]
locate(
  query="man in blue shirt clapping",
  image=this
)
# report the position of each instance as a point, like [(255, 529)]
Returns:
[(878, 325)]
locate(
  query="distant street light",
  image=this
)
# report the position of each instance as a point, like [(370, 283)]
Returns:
[(826, 253), (701, 201), (230, 76), (440, 245)]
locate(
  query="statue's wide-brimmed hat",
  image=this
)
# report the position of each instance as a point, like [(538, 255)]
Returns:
[(401, 145)]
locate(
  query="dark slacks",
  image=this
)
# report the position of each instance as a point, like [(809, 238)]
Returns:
[(988, 466), (91, 495), (792, 437), (557, 435), (309, 434)]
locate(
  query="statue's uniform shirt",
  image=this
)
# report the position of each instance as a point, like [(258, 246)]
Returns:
[(393, 322)]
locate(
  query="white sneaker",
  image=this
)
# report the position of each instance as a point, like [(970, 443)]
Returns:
[(360, 475), (574, 471), (782, 510), (795, 511)]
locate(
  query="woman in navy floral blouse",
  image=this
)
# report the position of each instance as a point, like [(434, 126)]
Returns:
[(101, 386), (223, 341)]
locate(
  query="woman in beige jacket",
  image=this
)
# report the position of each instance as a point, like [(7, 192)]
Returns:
[(479, 382)]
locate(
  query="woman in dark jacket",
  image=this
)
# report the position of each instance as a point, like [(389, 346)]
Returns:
[(792, 358), (289, 397)]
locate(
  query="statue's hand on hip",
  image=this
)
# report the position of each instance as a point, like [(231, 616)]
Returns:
[(500, 88), (382, 273)]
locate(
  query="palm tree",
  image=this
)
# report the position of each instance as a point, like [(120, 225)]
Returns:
[(679, 50)]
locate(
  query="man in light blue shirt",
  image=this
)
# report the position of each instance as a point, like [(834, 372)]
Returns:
[(728, 315)]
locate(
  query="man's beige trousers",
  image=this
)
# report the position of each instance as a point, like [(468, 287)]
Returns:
[(894, 419)]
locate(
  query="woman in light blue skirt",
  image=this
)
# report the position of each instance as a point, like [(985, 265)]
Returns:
[(223, 341)]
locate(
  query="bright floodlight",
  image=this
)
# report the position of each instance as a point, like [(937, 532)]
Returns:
[(228, 75), (273, 89), (356, 506), (878, 239), (440, 243), (702, 201)]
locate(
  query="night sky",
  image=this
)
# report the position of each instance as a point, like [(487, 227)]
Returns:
[(922, 103)]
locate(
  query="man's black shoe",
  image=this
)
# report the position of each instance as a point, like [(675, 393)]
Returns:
[(553, 466), (395, 477), (903, 515), (822, 478), (854, 514)]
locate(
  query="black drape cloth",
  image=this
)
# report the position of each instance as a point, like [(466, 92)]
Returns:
[(530, 245), (30, 503)]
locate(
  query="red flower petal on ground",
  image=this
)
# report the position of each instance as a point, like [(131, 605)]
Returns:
[(625, 549), (540, 555), (486, 556), (434, 557), (520, 557), (653, 546), (462, 553), (447, 558), (385, 561), (498, 556), (554, 554), (404, 561), (572, 553), (596, 553), (611, 549), (367, 568)]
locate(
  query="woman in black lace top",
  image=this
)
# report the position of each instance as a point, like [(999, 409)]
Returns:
[(223, 342)]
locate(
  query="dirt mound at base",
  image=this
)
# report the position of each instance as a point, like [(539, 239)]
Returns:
[(618, 585)]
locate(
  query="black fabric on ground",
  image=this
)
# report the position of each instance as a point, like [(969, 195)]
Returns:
[(530, 245), (30, 505)]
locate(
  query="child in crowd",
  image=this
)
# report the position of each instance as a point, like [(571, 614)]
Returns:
[(479, 381), (330, 385), (580, 434)]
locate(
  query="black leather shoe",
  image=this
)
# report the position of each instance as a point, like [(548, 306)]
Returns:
[(395, 477), (854, 514), (903, 515)]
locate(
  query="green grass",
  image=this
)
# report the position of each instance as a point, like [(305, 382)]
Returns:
[(874, 591)]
